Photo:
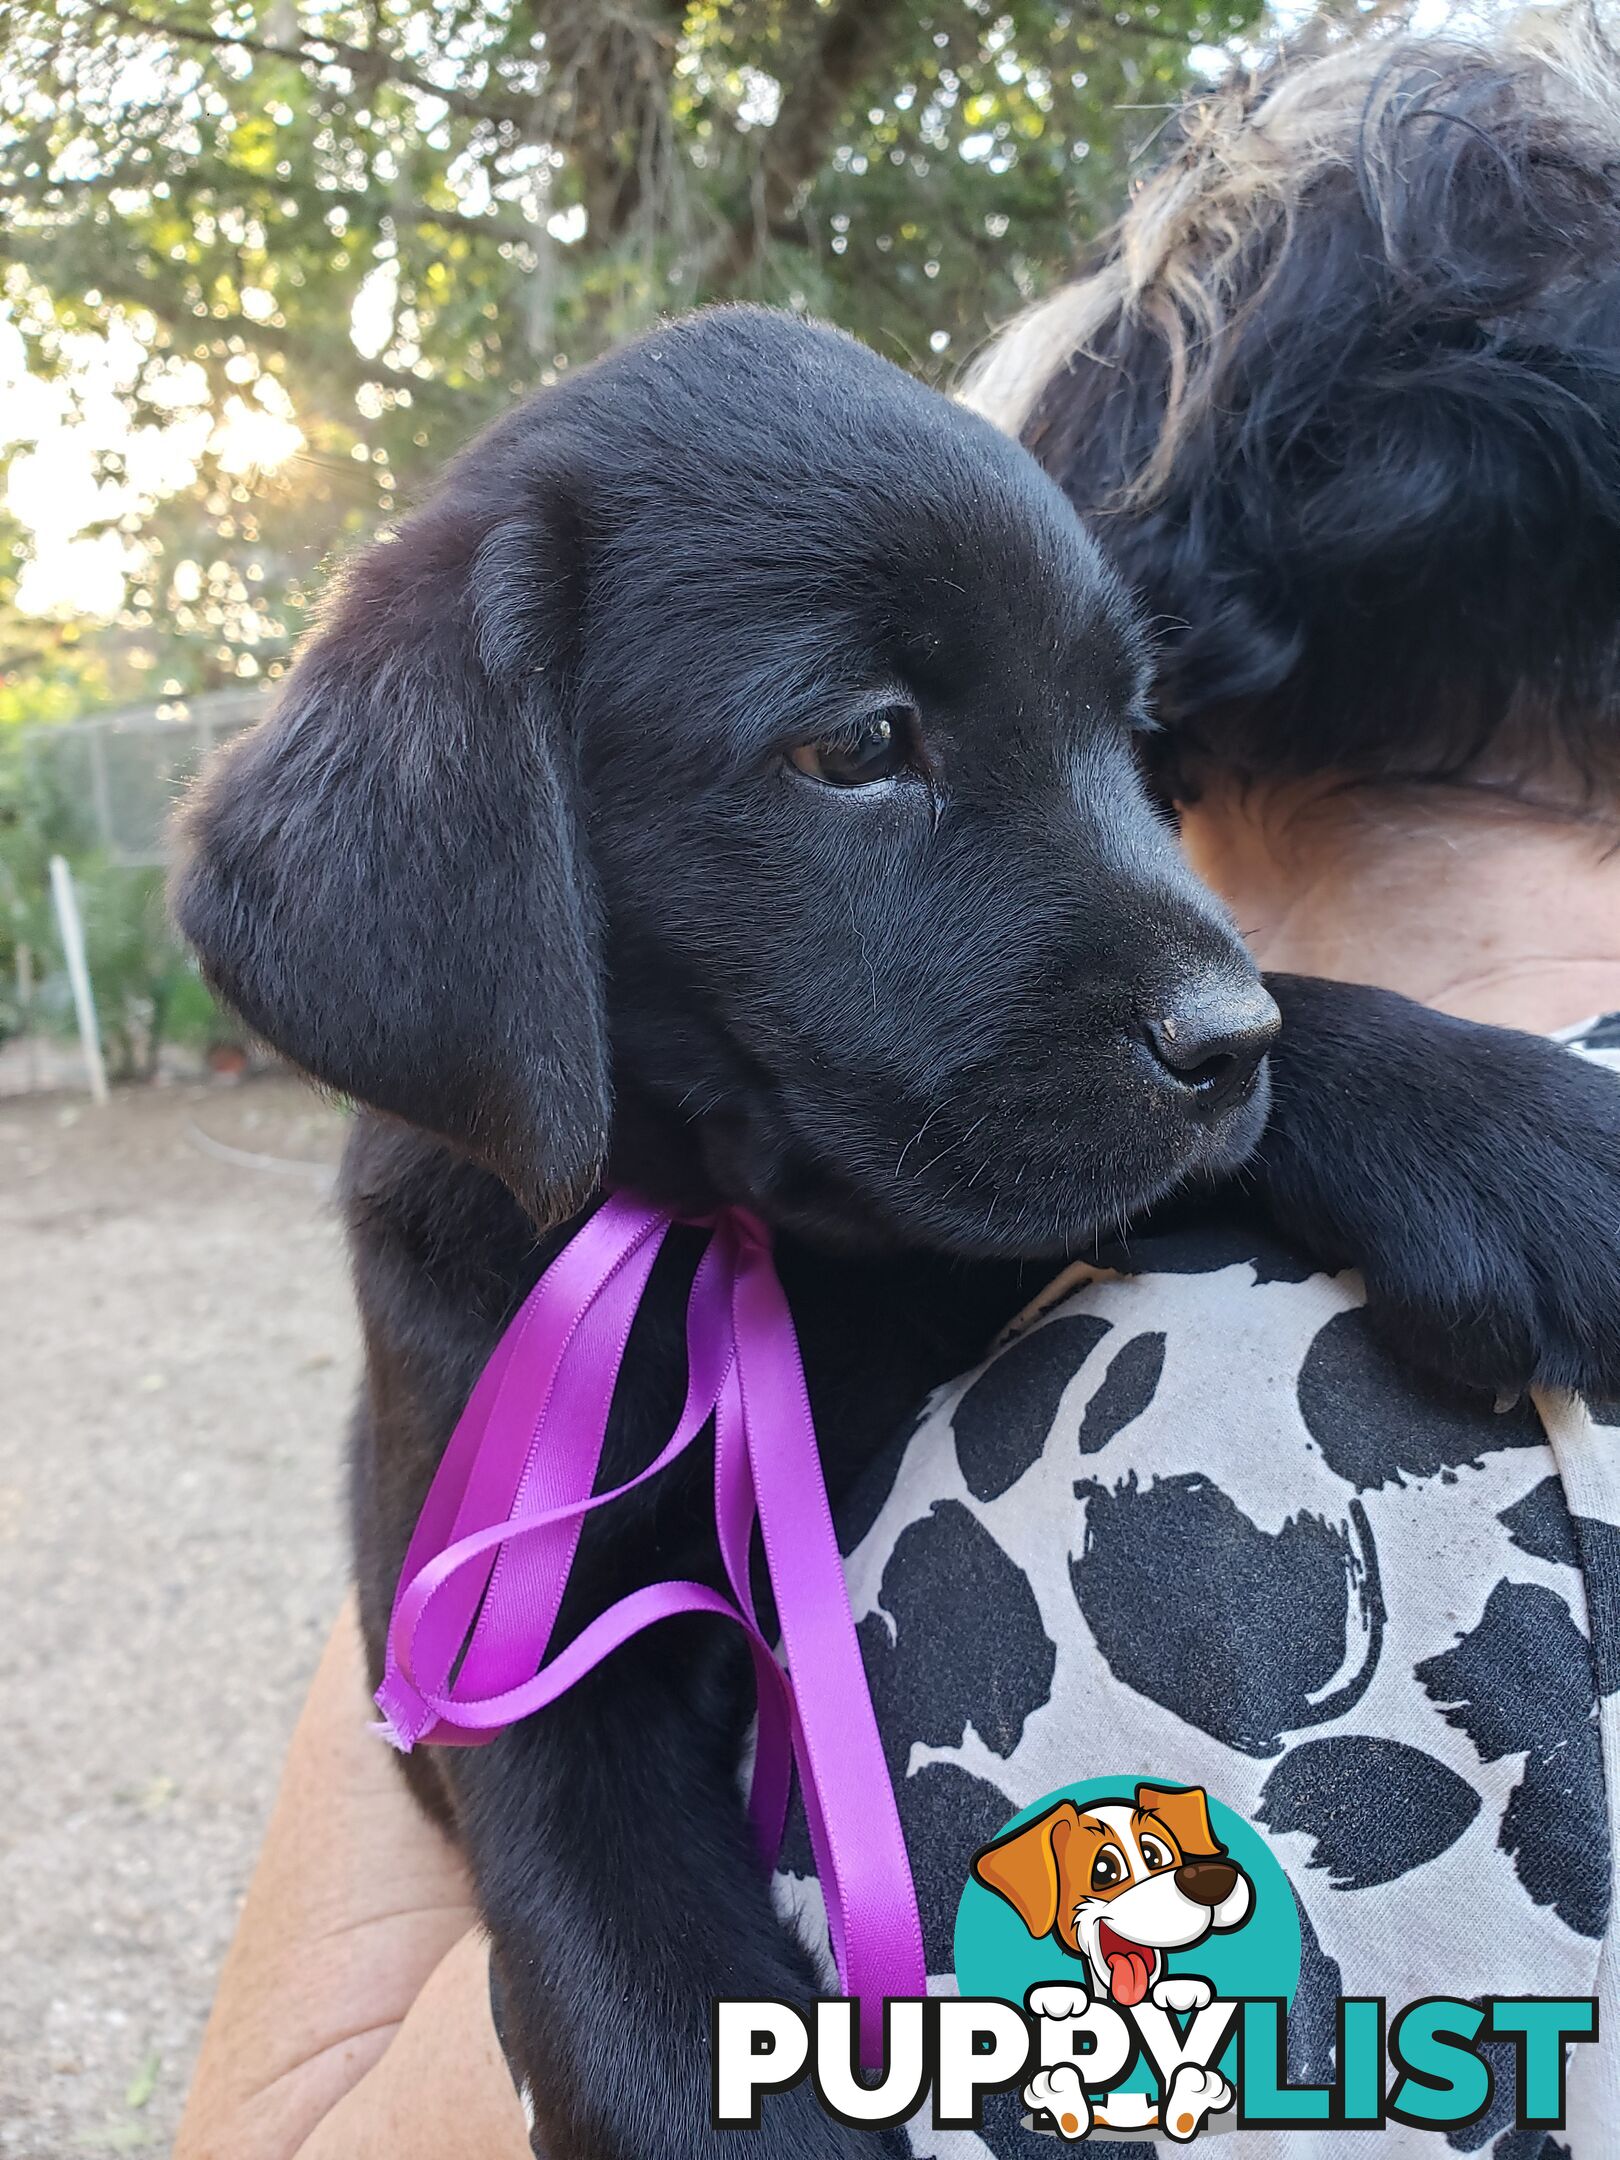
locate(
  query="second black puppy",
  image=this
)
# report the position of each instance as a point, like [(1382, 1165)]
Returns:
[(725, 787)]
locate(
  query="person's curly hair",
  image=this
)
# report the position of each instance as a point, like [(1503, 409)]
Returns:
[(1341, 392)]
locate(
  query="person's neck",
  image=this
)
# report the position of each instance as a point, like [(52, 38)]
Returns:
[(1463, 899)]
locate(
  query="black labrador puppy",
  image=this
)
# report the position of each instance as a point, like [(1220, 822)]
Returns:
[(725, 787)]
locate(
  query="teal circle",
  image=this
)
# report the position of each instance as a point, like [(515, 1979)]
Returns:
[(997, 1955)]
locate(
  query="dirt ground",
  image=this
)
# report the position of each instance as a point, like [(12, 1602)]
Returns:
[(177, 1358)]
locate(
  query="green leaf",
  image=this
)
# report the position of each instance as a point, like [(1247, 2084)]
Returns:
[(144, 2083), (158, 184)]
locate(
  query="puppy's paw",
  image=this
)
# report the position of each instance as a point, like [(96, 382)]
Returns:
[(1471, 1173), (1181, 1991), (1057, 2000), (1060, 2094), (1192, 2097)]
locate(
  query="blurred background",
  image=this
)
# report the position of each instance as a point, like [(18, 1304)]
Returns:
[(265, 264)]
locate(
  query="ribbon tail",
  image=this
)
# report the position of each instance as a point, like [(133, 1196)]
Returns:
[(488, 1462), (493, 1548), (849, 1797), (525, 1559), (391, 1727), (735, 1510)]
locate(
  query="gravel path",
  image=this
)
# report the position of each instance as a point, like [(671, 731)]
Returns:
[(177, 1359)]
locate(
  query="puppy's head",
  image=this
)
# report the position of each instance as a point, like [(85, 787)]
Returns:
[(727, 780), (1121, 1882)]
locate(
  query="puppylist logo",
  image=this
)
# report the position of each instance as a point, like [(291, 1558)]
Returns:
[(1090, 1896), (1127, 1952)]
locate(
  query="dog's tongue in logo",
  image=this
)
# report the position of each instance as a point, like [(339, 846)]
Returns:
[(1130, 1966)]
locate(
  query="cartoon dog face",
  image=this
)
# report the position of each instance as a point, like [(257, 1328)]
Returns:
[(1121, 1882)]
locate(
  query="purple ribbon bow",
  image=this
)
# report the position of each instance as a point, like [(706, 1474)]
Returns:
[(489, 1559)]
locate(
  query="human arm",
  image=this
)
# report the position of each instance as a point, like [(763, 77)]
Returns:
[(352, 2016)]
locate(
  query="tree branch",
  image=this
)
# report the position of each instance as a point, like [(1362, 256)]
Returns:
[(851, 37), (130, 286), (609, 74), (43, 196), (366, 63)]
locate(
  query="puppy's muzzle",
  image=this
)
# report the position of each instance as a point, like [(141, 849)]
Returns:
[(1208, 1039), (1207, 1882)]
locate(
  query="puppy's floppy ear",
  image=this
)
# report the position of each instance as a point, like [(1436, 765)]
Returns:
[(1185, 1815), (385, 878), (1025, 1867)]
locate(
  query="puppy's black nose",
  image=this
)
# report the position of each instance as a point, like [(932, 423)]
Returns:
[(1206, 1882), (1210, 1037)]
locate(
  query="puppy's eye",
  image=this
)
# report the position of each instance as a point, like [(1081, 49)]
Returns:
[(875, 747), (1107, 1869), (1156, 1855)]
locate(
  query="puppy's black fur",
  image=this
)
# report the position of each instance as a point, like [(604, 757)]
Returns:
[(520, 863)]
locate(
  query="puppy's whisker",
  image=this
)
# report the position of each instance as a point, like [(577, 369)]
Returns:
[(710, 1103), (916, 1136)]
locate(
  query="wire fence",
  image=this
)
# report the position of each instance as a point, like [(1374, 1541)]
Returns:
[(94, 982), (123, 771)]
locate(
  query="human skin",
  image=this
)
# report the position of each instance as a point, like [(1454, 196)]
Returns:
[(352, 2018), (1463, 897)]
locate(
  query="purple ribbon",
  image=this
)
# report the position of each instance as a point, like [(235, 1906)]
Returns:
[(488, 1561)]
